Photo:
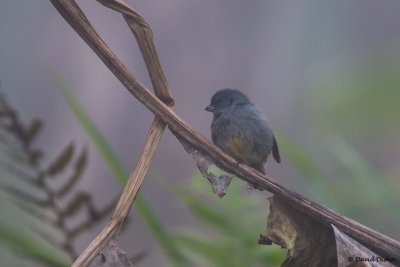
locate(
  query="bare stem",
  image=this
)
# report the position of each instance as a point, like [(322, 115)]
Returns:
[(127, 197)]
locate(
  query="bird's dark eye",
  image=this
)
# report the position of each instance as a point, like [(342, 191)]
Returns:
[(222, 102), (216, 103)]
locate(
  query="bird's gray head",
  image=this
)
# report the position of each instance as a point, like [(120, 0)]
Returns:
[(225, 98)]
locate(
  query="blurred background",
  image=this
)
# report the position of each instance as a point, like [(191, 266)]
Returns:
[(327, 74)]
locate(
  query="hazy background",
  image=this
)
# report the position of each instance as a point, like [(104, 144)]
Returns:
[(326, 73)]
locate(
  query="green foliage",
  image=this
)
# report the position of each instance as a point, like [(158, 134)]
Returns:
[(317, 183), (32, 248), (234, 224), (361, 102), (365, 193), (356, 112), (360, 171), (354, 187), (31, 192), (110, 158)]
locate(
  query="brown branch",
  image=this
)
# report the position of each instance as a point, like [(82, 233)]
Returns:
[(144, 38), (377, 242)]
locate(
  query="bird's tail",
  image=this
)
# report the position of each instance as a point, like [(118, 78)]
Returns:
[(275, 151)]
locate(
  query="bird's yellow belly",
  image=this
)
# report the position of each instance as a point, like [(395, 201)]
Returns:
[(242, 150)]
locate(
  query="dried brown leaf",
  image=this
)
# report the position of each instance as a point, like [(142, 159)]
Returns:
[(111, 256), (352, 253), (219, 183), (308, 241)]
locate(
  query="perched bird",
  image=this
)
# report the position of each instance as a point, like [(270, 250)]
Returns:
[(241, 130)]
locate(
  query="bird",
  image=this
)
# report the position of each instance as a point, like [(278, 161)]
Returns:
[(241, 129)]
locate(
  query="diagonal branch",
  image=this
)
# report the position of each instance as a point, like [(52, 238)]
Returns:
[(375, 241)]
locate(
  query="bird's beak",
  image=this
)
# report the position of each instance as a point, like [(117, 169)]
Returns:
[(210, 108)]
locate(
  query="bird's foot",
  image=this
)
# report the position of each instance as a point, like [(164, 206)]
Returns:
[(250, 188), (238, 163)]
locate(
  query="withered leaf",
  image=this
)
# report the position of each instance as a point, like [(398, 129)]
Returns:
[(352, 253), (308, 241), (111, 256)]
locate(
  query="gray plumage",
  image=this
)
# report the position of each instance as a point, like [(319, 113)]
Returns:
[(241, 130)]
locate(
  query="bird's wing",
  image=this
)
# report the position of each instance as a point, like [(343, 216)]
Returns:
[(275, 151)]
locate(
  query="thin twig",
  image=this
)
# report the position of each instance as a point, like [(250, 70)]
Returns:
[(127, 197)]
